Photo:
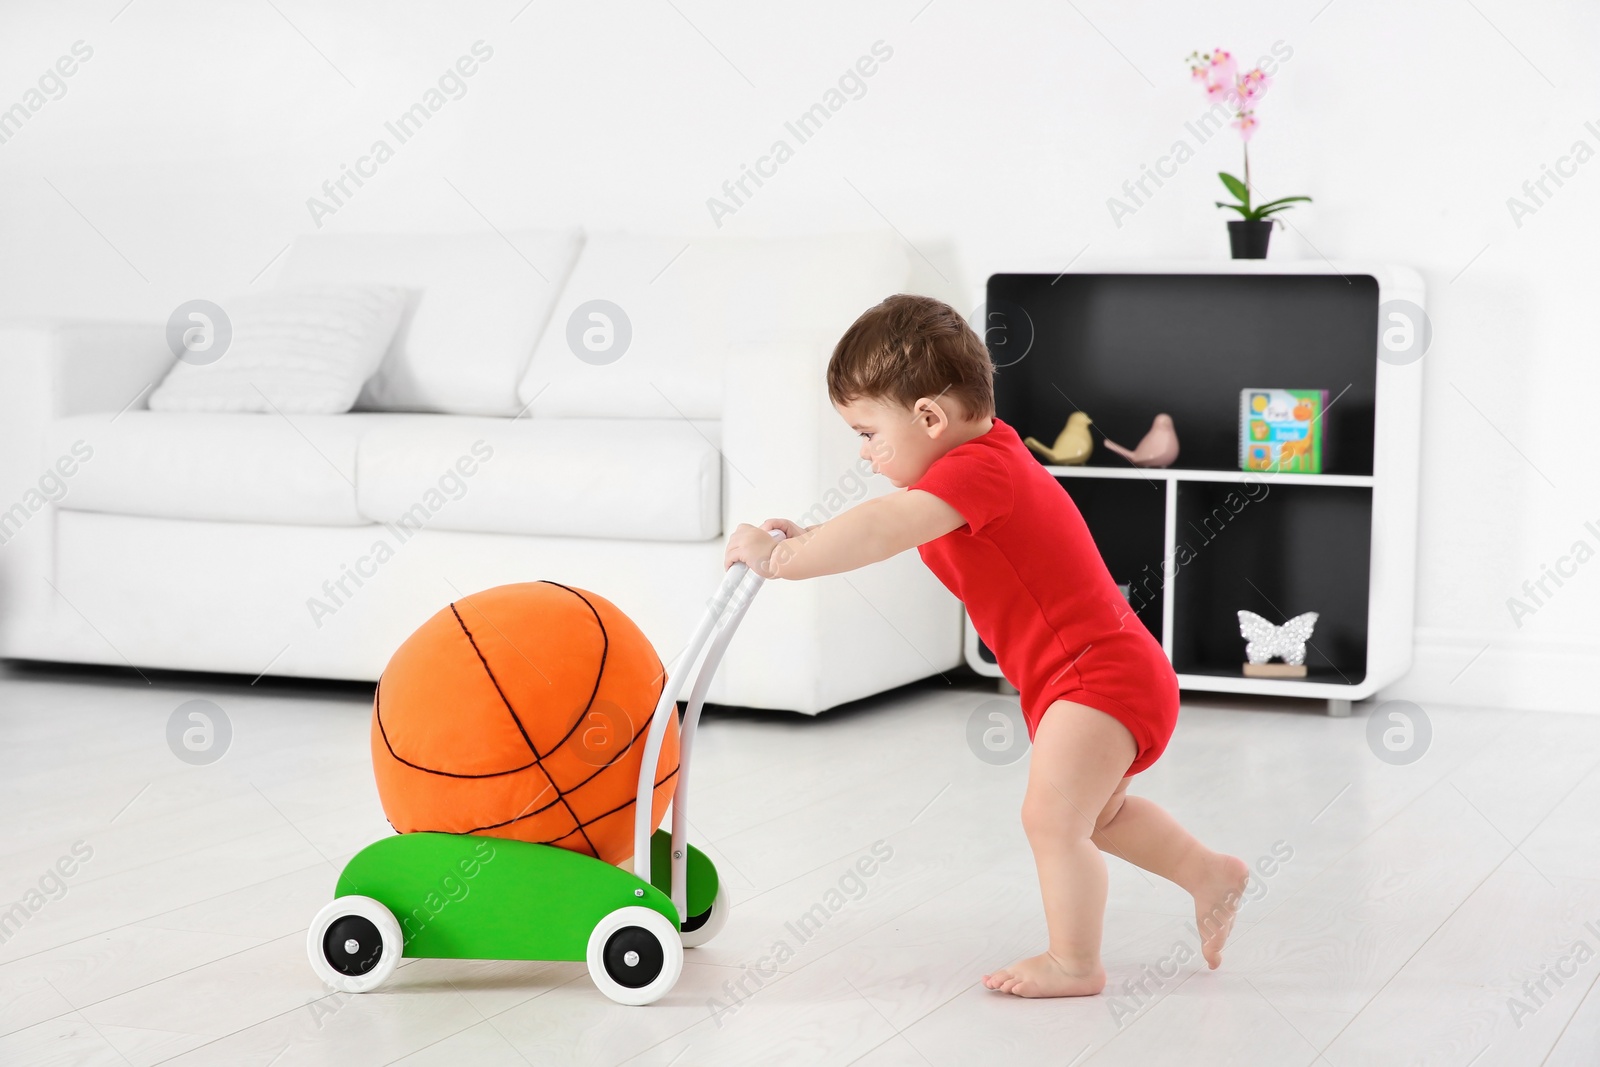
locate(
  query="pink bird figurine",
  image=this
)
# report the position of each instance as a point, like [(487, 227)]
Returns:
[(1158, 449)]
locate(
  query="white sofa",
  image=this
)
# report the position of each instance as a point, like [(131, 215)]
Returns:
[(482, 452)]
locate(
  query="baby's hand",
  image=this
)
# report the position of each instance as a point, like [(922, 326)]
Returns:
[(751, 547), (789, 529)]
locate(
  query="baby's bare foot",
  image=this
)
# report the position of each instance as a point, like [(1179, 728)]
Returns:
[(1216, 902), (1046, 976)]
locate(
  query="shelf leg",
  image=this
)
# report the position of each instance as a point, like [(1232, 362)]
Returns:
[(1007, 689), (1338, 709)]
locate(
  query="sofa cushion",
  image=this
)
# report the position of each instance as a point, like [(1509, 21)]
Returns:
[(683, 303), (638, 479), (206, 465), (482, 301), (301, 349)]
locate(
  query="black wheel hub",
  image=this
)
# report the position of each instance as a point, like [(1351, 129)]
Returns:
[(352, 945), (633, 957)]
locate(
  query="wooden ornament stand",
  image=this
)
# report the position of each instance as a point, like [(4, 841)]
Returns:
[(1274, 670)]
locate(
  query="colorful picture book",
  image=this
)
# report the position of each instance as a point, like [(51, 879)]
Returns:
[(1280, 430)]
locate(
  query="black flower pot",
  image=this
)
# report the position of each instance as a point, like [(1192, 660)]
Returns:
[(1249, 238)]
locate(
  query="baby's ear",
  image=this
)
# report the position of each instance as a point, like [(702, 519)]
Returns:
[(931, 416)]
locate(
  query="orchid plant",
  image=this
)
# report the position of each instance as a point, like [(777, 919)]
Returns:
[(1219, 74)]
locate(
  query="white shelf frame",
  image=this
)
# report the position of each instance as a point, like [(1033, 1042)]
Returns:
[(1396, 455), (1178, 474)]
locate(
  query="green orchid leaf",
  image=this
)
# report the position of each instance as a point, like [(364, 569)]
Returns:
[(1236, 187), (1235, 207), (1284, 202)]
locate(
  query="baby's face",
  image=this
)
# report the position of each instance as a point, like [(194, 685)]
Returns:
[(893, 439)]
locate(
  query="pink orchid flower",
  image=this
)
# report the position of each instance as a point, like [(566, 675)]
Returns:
[(1217, 74), (1223, 67), (1252, 87)]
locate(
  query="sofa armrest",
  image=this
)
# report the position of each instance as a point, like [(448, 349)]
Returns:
[(69, 367), (50, 369), (53, 369), (788, 454)]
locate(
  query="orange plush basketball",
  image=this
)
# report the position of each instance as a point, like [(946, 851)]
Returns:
[(522, 712)]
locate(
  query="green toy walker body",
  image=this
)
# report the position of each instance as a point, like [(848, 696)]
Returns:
[(464, 896)]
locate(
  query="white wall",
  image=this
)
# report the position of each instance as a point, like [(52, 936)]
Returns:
[(179, 160)]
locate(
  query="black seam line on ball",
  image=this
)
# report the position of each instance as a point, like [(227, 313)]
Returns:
[(620, 807), (550, 841), (576, 786), (619, 753), (549, 780), (605, 650), (632, 800), (495, 681), (574, 789), (378, 709)]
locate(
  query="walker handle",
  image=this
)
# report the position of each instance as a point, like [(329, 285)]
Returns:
[(738, 587)]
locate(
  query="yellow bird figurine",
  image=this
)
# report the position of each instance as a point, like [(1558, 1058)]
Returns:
[(1072, 447)]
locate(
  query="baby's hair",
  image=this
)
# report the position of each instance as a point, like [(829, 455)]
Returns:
[(908, 347)]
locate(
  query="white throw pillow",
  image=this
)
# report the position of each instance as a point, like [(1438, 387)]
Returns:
[(305, 349), (683, 302), (483, 300)]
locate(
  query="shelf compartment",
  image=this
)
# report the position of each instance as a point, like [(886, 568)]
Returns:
[(1127, 519), (1123, 347), (1280, 551)]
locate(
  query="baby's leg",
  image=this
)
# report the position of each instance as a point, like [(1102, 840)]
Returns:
[(1143, 833), (1079, 756)]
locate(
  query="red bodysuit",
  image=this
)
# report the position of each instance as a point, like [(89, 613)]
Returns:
[(1039, 594)]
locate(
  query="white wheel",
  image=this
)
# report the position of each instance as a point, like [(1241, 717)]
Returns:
[(714, 921), (354, 944), (635, 955)]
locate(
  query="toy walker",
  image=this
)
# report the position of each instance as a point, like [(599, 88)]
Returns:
[(466, 896)]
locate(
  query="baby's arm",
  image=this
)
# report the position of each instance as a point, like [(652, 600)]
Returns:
[(871, 531)]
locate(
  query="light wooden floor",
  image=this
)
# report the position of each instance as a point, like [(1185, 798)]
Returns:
[(1416, 902)]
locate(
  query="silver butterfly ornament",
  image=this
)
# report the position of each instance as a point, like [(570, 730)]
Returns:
[(1266, 640)]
